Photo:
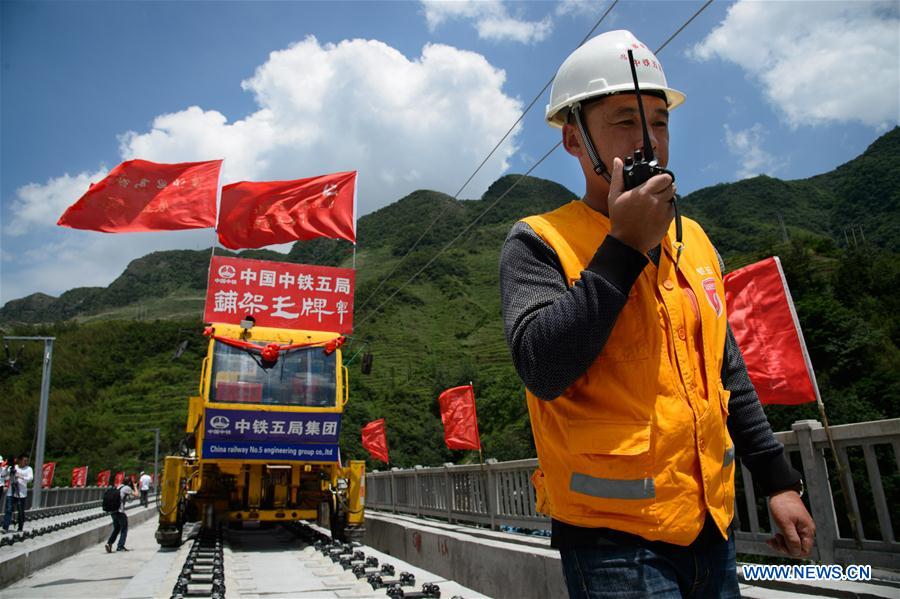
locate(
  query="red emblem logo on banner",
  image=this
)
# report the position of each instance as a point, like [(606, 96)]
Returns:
[(709, 286), (280, 294)]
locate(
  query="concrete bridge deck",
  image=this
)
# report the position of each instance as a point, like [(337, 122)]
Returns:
[(464, 561)]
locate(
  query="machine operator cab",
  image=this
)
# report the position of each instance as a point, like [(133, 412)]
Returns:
[(307, 374)]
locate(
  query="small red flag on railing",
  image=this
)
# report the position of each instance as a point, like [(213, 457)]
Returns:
[(79, 476), (459, 417), (374, 440), (762, 316), (120, 478), (139, 195), (103, 478), (47, 475)]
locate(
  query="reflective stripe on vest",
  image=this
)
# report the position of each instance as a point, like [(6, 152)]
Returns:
[(612, 488)]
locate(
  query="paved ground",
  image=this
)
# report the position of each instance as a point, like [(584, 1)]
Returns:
[(268, 563), (272, 563), (94, 573)]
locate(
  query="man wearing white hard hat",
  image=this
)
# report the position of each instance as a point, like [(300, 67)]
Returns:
[(638, 395)]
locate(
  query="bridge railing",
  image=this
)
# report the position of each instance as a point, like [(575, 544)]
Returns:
[(501, 493), (63, 496)]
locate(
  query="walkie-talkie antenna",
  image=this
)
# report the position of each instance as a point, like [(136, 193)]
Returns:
[(648, 147), (643, 165)]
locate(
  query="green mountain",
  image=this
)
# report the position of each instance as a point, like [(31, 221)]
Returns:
[(114, 374)]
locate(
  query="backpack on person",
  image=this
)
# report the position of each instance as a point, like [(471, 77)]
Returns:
[(112, 500)]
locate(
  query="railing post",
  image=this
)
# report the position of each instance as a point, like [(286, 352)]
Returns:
[(393, 492), (491, 491), (416, 483), (815, 480), (448, 481)]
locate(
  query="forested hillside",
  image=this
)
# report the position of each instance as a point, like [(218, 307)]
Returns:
[(114, 374)]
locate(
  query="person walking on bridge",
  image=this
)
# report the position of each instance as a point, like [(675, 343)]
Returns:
[(114, 500), (638, 395), (144, 484), (19, 475), (7, 468)]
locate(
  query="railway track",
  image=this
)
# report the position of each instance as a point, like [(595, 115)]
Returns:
[(293, 559)]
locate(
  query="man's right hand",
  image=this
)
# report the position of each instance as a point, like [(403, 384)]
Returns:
[(641, 216)]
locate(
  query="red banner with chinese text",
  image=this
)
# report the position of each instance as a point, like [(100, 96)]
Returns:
[(761, 315), (256, 214), (47, 475), (280, 294), (103, 478), (139, 195), (374, 440), (79, 476), (459, 418), (120, 478)]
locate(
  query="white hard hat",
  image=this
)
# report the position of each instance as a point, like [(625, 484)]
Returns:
[(600, 67)]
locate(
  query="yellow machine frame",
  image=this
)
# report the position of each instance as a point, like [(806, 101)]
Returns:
[(269, 490)]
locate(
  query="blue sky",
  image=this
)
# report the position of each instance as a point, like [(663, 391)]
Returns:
[(411, 94)]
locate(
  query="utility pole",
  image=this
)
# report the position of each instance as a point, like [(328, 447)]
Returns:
[(784, 234), (42, 414), (155, 460)]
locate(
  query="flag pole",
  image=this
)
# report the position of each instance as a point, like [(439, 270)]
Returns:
[(842, 471), (212, 252), (480, 454)]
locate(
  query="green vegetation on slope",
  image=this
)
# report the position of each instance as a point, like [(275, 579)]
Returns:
[(445, 329)]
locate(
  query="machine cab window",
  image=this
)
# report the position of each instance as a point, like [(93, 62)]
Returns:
[(301, 377)]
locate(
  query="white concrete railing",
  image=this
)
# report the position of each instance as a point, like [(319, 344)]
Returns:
[(500, 493)]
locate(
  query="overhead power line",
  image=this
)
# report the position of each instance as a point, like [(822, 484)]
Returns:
[(461, 233), (509, 189), (480, 166)]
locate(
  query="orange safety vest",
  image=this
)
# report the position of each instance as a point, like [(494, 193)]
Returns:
[(639, 442)]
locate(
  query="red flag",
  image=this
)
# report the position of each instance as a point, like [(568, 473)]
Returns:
[(258, 214), (375, 441), (120, 478), (103, 478), (139, 195), (761, 314), (459, 417), (47, 475), (79, 476)]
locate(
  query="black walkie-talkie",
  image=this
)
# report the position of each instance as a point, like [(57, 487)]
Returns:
[(643, 165)]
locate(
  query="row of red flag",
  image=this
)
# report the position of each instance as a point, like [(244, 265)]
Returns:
[(79, 476), (139, 195), (457, 413), (765, 325)]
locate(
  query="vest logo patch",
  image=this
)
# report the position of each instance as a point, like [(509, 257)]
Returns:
[(709, 286)]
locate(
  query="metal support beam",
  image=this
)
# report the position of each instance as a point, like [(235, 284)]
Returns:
[(42, 415), (155, 461)]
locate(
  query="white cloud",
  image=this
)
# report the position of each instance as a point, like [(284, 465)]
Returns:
[(87, 259), (746, 145), (580, 8), (404, 124), (491, 19), (818, 62), (38, 204)]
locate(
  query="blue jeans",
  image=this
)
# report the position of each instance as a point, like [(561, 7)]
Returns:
[(651, 569), (120, 525), (17, 504)]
